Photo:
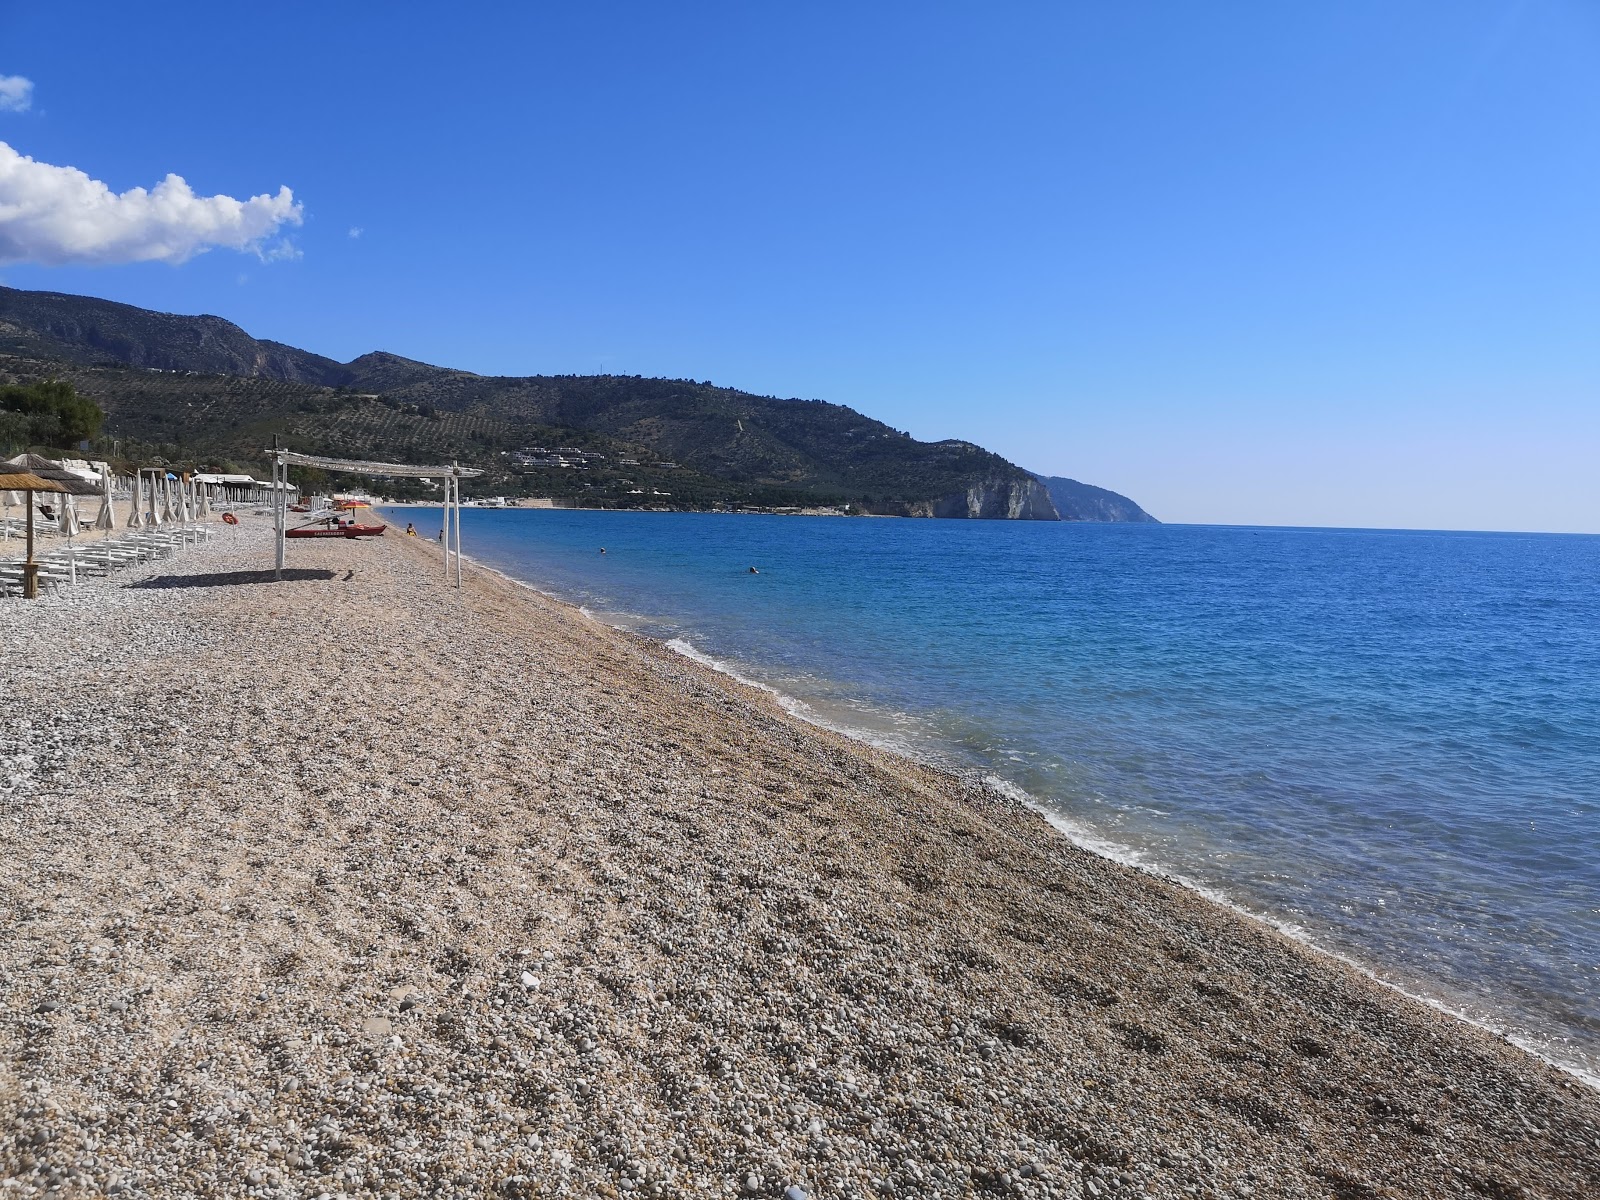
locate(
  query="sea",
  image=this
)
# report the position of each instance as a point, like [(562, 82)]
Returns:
[(1386, 743)]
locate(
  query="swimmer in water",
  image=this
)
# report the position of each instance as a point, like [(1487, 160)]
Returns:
[(753, 571), (602, 549)]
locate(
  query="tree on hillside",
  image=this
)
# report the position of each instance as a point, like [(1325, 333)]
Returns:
[(49, 413)]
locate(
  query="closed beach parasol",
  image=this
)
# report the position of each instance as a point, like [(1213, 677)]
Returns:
[(106, 518), (28, 483), (136, 509)]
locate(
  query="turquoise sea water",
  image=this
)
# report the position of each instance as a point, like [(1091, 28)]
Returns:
[(1386, 741)]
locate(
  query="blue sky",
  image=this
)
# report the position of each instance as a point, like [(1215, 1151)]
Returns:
[(1255, 263)]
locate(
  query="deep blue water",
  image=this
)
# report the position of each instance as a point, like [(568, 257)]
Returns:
[(1387, 740)]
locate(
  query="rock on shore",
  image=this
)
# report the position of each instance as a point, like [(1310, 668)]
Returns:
[(355, 884)]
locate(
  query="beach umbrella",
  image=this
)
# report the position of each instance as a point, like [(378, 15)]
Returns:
[(136, 508), (153, 516), (72, 484), (28, 483), (106, 518), (205, 499), (68, 520)]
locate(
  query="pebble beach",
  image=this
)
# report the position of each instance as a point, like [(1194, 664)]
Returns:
[(359, 884)]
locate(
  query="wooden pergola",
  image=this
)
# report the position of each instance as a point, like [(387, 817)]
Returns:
[(282, 460)]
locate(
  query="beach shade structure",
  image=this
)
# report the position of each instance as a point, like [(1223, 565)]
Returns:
[(68, 518), (106, 518), (28, 483), (205, 499), (72, 484), (453, 474)]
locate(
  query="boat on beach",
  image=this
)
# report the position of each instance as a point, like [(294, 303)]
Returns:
[(340, 524)]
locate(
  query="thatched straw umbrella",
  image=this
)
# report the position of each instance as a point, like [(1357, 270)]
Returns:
[(71, 482), (29, 483)]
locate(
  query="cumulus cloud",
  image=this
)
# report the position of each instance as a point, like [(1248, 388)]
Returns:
[(56, 216), (356, 231), (16, 93)]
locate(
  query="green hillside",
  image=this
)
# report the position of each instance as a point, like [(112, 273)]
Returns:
[(201, 389)]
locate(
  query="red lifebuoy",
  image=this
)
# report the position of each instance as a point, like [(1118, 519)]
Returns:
[(229, 519)]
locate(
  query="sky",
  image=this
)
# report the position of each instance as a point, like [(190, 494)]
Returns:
[(1248, 263)]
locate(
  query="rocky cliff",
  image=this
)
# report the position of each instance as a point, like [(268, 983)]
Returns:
[(998, 500)]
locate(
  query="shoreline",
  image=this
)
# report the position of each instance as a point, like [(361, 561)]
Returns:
[(1083, 837), (761, 954)]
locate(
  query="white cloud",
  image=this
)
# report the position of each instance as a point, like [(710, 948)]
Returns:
[(16, 93), (282, 250), (356, 231), (58, 215)]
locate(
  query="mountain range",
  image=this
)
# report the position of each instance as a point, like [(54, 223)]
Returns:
[(200, 388)]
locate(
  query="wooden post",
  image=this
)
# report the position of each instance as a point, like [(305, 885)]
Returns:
[(280, 517), (458, 523), (444, 528), (30, 569)]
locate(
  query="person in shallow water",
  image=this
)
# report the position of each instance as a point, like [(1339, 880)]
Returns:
[(411, 530)]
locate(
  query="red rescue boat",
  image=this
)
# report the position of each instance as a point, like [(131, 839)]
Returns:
[(338, 526)]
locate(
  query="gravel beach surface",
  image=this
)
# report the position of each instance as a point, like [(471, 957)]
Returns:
[(356, 884)]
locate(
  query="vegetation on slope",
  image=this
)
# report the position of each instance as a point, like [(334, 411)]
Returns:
[(202, 388), (1084, 502), (45, 413)]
